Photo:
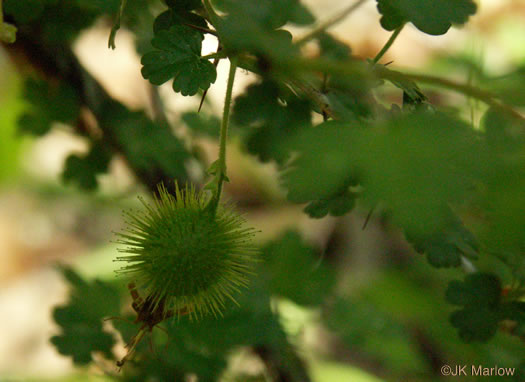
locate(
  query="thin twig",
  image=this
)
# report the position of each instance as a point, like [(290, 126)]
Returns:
[(202, 29), (218, 54), (213, 17), (354, 68), (329, 23), (315, 96), (157, 106), (474, 92), (368, 216), (116, 26), (215, 63)]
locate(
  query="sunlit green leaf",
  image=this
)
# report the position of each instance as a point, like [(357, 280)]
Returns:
[(176, 17), (7, 33)]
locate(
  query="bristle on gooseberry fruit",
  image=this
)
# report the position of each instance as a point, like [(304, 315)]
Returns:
[(183, 256)]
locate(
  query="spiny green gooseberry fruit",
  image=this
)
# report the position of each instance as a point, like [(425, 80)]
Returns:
[(185, 258)]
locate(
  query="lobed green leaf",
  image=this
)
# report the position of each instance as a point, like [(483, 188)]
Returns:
[(80, 320), (178, 56), (337, 205), (444, 248), (184, 5), (47, 104), (480, 297), (176, 17), (272, 123), (434, 17), (268, 14)]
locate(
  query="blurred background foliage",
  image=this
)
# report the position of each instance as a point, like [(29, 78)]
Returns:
[(82, 134)]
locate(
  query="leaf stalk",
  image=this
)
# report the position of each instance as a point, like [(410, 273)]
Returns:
[(224, 133), (388, 44)]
